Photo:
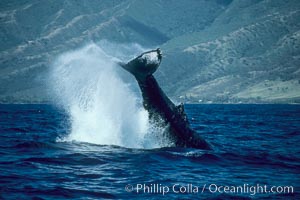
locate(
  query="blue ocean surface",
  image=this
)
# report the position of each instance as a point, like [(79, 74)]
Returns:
[(256, 155)]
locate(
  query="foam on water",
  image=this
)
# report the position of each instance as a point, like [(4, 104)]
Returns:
[(102, 108)]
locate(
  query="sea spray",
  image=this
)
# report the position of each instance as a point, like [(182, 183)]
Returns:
[(102, 108), (100, 105)]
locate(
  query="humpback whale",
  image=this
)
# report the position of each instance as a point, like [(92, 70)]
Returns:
[(158, 105)]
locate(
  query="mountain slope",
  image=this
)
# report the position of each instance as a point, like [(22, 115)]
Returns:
[(231, 58), (215, 51)]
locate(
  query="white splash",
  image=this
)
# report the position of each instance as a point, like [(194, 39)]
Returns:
[(101, 107)]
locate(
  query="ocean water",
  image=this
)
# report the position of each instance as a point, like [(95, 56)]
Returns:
[(255, 147)]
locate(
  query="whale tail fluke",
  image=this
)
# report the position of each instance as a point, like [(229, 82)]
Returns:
[(144, 65), (158, 104)]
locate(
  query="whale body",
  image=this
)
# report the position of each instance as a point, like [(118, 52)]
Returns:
[(158, 105)]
